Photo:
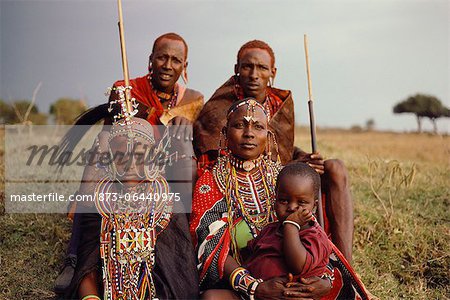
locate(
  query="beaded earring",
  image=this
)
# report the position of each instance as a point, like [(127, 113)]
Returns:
[(272, 138), (112, 169), (222, 144)]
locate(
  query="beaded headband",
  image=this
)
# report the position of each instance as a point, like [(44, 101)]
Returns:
[(252, 104), (139, 128), (132, 129)]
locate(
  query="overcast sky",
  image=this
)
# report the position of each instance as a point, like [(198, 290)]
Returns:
[(365, 55)]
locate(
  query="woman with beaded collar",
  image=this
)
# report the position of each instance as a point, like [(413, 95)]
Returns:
[(233, 201), (136, 245)]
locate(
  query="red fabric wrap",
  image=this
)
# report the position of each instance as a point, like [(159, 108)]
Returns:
[(144, 93), (267, 258)]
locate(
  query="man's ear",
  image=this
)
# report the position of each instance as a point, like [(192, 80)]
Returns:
[(274, 73), (236, 69), (150, 62), (186, 65)]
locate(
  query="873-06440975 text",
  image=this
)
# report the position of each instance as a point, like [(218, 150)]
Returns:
[(57, 197)]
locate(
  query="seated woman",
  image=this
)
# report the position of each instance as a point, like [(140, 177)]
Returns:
[(136, 247), (233, 202)]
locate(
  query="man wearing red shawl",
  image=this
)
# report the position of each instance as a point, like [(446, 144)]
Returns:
[(254, 72)]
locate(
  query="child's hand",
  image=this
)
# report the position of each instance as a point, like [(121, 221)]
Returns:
[(301, 216)]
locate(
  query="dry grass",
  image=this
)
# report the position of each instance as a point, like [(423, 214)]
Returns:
[(402, 223)]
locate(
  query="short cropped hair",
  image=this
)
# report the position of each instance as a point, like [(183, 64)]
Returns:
[(297, 168), (171, 36), (258, 45)]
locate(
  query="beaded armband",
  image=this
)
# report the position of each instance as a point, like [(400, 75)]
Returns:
[(241, 281)]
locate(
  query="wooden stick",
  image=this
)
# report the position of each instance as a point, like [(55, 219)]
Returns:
[(124, 57), (312, 124), (308, 70)]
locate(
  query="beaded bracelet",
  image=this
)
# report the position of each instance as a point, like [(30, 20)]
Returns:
[(238, 271), (252, 288), (241, 281), (91, 297), (293, 223)]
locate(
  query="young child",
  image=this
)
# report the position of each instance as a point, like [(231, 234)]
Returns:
[(296, 243)]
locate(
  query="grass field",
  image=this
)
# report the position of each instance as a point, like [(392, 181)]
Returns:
[(400, 185)]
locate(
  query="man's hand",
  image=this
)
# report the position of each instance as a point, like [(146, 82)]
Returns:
[(181, 129), (301, 216), (314, 160)]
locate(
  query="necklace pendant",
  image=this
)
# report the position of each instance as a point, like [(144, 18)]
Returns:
[(248, 165)]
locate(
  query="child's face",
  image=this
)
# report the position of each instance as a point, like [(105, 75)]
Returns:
[(129, 165), (294, 192)]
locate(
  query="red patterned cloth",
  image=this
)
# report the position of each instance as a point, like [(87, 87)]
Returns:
[(209, 230)]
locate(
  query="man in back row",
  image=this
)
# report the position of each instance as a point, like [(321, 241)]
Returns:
[(254, 74)]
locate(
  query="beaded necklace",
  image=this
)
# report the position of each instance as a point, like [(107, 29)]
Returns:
[(163, 96), (249, 194), (129, 231)]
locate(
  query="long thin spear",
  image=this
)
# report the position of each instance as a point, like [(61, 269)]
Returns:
[(124, 58), (312, 124)]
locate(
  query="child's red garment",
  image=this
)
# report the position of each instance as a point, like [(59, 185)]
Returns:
[(267, 257)]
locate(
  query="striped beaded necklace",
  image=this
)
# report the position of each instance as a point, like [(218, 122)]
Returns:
[(128, 238), (249, 194)]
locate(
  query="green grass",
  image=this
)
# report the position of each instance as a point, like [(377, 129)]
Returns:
[(401, 251)]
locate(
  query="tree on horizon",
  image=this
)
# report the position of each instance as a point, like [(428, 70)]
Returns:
[(21, 111), (422, 105), (66, 110)]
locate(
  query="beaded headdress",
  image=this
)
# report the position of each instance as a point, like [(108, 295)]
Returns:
[(123, 113)]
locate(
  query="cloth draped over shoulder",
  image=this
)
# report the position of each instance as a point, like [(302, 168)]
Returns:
[(209, 230), (212, 119), (188, 105)]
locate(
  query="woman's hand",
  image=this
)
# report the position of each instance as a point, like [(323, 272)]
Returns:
[(309, 288), (279, 288), (271, 289)]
